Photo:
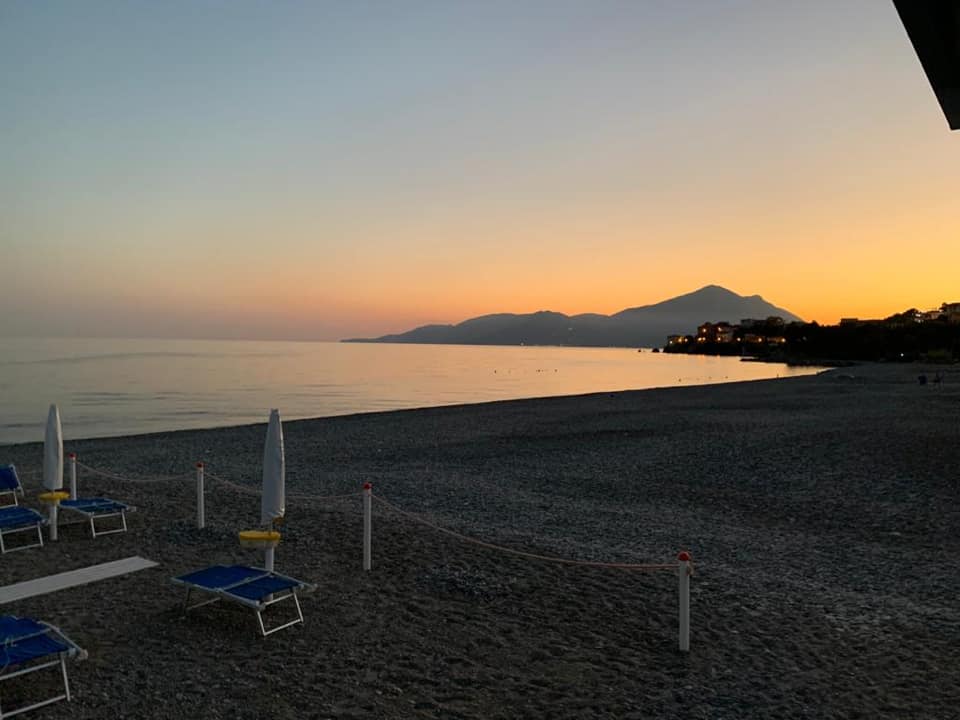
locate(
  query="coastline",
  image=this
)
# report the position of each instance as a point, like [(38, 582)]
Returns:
[(820, 511), (199, 385)]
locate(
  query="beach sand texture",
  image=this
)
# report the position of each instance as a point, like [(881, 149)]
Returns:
[(822, 513)]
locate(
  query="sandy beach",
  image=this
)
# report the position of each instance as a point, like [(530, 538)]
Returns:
[(822, 514)]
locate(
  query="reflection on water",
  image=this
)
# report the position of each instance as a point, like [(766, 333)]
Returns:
[(123, 387)]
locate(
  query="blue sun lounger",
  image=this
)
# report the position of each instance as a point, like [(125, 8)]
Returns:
[(9, 485), (254, 588), (27, 646), (99, 509), (16, 519)]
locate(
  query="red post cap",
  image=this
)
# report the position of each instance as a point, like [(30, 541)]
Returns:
[(200, 464), (684, 556), (72, 456), (368, 486)]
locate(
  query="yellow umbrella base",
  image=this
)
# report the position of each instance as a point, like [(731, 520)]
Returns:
[(259, 538), (53, 498)]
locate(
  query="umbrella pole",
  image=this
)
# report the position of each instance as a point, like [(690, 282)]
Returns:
[(73, 476)]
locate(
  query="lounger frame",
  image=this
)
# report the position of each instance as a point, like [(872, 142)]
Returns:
[(93, 516), (26, 527), (258, 606), (73, 651)]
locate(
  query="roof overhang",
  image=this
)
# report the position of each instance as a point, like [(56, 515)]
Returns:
[(934, 30)]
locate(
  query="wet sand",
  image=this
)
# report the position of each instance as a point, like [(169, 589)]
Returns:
[(822, 513)]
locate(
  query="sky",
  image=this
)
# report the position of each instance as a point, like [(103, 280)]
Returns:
[(320, 170)]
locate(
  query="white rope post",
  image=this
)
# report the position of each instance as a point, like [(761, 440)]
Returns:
[(73, 475), (684, 571), (201, 519), (367, 525), (268, 558)]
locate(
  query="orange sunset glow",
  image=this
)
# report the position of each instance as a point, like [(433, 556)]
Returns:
[(265, 193)]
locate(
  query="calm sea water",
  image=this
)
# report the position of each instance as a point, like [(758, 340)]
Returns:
[(124, 387)]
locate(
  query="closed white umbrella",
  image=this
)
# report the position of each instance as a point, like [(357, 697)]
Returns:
[(274, 479), (53, 465), (272, 499), (53, 452)]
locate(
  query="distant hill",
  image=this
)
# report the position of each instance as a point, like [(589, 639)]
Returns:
[(646, 326)]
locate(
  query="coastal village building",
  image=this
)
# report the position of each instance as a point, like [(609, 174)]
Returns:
[(951, 311), (721, 332), (769, 330)]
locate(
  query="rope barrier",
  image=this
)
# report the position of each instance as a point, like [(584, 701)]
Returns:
[(300, 496), (236, 487), (647, 567), (250, 490), (114, 476)]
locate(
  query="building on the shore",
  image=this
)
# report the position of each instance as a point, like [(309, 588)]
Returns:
[(951, 311), (721, 332)]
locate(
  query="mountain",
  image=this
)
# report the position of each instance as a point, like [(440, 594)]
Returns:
[(646, 326)]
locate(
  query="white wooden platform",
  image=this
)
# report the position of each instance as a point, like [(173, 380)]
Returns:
[(72, 578)]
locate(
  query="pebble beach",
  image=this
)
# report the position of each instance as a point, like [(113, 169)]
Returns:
[(822, 514)]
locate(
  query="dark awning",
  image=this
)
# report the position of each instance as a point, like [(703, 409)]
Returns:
[(934, 30)]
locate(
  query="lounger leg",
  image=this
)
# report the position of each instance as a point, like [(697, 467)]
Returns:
[(122, 528), (3, 544), (296, 602), (66, 682), (41, 703), (186, 602)]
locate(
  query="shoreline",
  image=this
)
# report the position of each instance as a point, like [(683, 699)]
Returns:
[(424, 408), (819, 512)]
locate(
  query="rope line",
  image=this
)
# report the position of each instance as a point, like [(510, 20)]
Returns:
[(300, 496), (114, 476), (648, 567), (249, 490), (236, 487)]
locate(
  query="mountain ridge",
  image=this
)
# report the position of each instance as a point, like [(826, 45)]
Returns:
[(641, 326)]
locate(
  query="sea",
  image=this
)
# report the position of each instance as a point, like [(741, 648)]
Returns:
[(111, 387)]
